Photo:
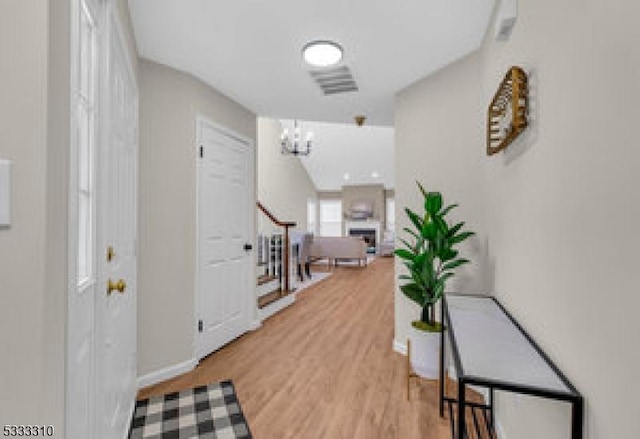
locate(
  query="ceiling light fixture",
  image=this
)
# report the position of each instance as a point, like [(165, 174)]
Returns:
[(374, 174), (322, 53), (290, 146), (346, 176)]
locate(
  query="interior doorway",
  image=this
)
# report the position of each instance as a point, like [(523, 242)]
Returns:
[(225, 284)]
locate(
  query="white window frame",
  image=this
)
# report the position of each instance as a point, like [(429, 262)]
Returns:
[(329, 226), (312, 216), (85, 101), (390, 214)]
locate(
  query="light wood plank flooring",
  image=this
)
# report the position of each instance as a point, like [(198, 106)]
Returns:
[(325, 367)]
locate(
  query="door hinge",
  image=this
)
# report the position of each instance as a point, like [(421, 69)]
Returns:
[(201, 151), (200, 326), (110, 253)]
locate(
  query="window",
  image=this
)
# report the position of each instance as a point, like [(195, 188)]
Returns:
[(391, 214), (311, 216), (330, 218), (85, 112)]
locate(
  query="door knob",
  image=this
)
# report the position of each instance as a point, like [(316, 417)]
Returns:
[(119, 286)]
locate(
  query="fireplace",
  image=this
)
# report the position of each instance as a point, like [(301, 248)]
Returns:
[(367, 230), (368, 235)]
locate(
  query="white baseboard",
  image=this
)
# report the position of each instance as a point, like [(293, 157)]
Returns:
[(276, 307), (167, 373), (255, 324), (400, 348), (132, 408), (500, 431)]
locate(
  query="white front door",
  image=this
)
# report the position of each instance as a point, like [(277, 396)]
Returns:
[(117, 210), (226, 200), (101, 346)]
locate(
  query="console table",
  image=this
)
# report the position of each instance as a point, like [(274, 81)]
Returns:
[(490, 349)]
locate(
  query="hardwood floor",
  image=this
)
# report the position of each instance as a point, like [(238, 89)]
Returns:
[(325, 367)]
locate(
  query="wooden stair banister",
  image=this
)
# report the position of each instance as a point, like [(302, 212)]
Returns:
[(287, 225), (272, 217)]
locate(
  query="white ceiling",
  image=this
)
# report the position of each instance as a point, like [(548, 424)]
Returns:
[(338, 149), (250, 50)]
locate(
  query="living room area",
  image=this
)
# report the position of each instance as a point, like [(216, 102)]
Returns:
[(338, 201)]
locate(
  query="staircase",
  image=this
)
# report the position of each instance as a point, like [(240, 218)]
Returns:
[(275, 263)]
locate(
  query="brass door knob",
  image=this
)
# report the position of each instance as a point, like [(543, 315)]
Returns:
[(119, 286)]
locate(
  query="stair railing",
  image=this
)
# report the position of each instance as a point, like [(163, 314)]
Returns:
[(286, 257)]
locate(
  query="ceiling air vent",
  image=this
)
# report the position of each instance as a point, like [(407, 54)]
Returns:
[(334, 81)]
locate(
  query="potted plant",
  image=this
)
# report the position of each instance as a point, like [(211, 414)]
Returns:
[(431, 259)]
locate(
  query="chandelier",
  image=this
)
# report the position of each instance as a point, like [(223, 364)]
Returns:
[(294, 146)]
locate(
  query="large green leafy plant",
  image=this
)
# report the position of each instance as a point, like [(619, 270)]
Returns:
[(430, 255)]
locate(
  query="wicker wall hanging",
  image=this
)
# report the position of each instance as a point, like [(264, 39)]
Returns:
[(507, 113)]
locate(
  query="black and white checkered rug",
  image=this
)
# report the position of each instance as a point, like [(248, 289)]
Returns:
[(210, 412)]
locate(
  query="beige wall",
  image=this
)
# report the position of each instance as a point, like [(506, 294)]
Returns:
[(329, 195), (283, 183), (562, 207), (437, 125), (23, 124), (559, 206), (169, 103), (34, 130), (373, 192)]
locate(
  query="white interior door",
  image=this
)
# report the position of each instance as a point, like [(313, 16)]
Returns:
[(117, 208), (224, 299)]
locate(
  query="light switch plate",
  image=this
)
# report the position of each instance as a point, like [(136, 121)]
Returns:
[(5, 193)]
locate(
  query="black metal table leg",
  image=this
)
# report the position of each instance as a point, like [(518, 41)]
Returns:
[(577, 407), (475, 422), (461, 409), (492, 413), (452, 420)]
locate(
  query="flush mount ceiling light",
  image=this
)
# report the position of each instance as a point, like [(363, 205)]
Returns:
[(346, 176), (374, 174), (322, 53)]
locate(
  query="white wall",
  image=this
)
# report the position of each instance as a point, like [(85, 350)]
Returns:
[(283, 183), (34, 134), (559, 206), (169, 103)]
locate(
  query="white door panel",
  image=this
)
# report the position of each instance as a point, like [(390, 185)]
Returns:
[(117, 310), (81, 337), (225, 197), (81, 354)]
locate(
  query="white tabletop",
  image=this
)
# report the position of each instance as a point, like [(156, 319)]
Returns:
[(491, 346)]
